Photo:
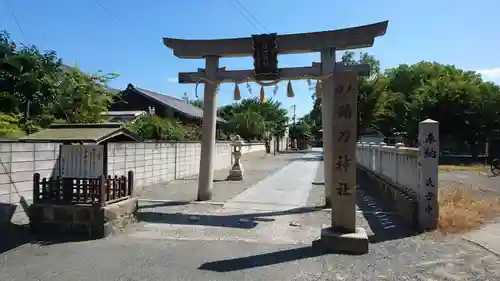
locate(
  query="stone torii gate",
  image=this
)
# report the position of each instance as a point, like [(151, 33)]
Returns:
[(339, 103)]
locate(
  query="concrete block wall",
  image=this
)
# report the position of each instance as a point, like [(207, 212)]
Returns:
[(21, 161), (151, 162), (162, 162)]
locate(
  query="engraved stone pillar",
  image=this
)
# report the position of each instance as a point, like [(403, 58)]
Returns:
[(236, 172), (428, 160), (343, 235), (327, 67)]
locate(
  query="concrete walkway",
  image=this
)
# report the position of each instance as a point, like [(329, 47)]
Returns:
[(486, 237), (258, 166), (286, 189)]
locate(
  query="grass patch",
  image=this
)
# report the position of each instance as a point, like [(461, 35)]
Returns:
[(463, 168), (462, 209)]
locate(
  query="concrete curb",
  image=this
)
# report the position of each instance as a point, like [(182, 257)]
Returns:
[(486, 238)]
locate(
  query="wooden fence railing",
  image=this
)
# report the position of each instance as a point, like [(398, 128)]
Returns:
[(69, 191)]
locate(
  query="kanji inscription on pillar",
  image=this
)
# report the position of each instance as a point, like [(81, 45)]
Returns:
[(344, 151), (428, 159)]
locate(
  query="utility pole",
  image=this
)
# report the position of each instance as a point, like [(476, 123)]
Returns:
[(294, 141), (27, 123)]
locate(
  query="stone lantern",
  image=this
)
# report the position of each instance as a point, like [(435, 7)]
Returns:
[(236, 173)]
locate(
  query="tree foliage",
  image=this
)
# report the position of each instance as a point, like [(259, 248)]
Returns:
[(467, 108), (154, 127), (252, 119), (36, 89), (9, 126), (197, 103), (396, 100), (302, 129), (81, 97)]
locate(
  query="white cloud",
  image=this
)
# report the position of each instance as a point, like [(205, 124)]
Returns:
[(173, 80), (492, 74)]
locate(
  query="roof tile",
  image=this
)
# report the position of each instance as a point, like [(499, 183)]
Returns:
[(175, 103)]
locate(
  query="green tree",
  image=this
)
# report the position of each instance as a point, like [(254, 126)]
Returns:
[(9, 126), (396, 100), (255, 118), (27, 78), (466, 106), (248, 124), (157, 128), (301, 130), (368, 95), (82, 97), (36, 86), (197, 103)]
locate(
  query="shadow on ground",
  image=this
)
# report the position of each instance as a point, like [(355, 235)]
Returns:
[(264, 259), (52, 239), (382, 218), (13, 236), (314, 157), (295, 151), (164, 204), (242, 221)]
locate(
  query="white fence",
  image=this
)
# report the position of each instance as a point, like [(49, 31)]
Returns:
[(398, 163), (412, 169)]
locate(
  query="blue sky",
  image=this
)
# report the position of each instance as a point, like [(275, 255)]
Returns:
[(125, 38)]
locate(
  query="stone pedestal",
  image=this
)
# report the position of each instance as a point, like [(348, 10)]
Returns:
[(340, 242), (236, 172)]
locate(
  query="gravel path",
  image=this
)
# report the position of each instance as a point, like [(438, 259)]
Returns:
[(124, 258), (222, 247), (179, 241), (483, 182)]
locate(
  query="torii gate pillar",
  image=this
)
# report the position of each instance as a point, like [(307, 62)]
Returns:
[(206, 176)]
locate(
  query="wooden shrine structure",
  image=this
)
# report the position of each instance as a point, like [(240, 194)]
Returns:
[(337, 85)]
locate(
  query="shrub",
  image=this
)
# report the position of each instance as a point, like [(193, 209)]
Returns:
[(9, 126), (155, 127), (461, 208)]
